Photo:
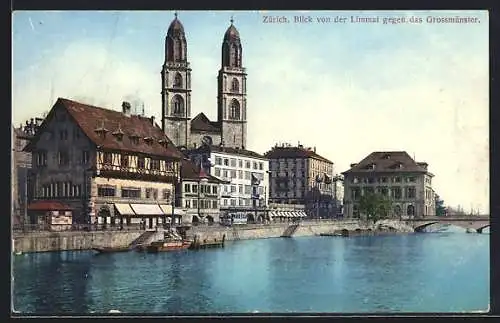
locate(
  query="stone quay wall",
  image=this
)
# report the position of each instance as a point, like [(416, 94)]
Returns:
[(81, 240), (75, 240)]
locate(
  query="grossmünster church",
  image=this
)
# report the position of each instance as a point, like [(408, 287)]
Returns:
[(230, 128)]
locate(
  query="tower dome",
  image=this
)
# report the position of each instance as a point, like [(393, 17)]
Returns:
[(176, 28), (231, 47), (175, 42)]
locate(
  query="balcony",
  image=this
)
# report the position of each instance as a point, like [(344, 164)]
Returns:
[(137, 173)]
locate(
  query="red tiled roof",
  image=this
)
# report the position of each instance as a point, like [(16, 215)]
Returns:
[(294, 152), (202, 123), (91, 118), (387, 161), (190, 171), (44, 205)]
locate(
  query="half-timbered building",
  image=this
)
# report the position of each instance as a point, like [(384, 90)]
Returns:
[(109, 167)]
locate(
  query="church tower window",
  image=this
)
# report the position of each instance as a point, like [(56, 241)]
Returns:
[(177, 105), (178, 80), (234, 110), (235, 85)]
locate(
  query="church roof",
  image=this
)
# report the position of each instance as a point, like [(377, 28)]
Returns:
[(202, 123), (388, 161), (175, 27), (231, 33), (92, 120), (223, 149)]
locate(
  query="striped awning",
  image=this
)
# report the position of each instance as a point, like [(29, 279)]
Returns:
[(302, 214), (124, 209), (167, 209), (147, 209), (272, 214)]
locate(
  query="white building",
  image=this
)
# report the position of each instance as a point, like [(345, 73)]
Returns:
[(246, 172)]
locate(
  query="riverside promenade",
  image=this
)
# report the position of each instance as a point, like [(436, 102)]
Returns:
[(43, 241)]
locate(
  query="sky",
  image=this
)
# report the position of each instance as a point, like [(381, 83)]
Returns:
[(347, 89)]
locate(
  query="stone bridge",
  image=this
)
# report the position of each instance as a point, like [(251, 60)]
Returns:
[(478, 223)]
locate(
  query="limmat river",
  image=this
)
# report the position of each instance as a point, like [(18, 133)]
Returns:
[(423, 272)]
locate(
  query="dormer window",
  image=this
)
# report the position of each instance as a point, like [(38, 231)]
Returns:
[(118, 133), (387, 156), (163, 143), (101, 131), (134, 139), (149, 140)]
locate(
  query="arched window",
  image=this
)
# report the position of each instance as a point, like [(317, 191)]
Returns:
[(178, 80), (397, 210), (177, 105), (234, 110), (410, 210), (235, 55), (235, 85), (177, 50)]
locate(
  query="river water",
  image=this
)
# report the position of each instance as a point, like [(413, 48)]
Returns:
[(425, 272)]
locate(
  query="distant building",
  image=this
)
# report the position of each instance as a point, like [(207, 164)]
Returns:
[(393, 174), (246, 174), (298, 175), (21, 168), (105, 166), (198, 195)]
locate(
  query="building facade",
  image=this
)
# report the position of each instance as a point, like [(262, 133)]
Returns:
[(198, 195), (106, 166), (21, 166), (394, 174), (231, 125), (298, 175), (246, 175)]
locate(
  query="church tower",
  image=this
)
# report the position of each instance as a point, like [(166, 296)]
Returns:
[(176, 86), (231, 88)]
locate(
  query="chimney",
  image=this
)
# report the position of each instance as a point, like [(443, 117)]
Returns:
[(126, 108), (314, 148), (153, 120), (353, 165)]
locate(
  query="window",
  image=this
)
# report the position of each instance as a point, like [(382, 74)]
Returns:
[(214, 189), (177, 105), (124, 161), (233, 202), (166, 194), (214, 204), (224, 173), (178, 80), (255, 166), (396, 192), (248, 189), (234, 110), (85, 157), (233, 188), (235, 85), (155, 164), (226, 162), (412, 192), (63, 158), (76, 133), (187, 204), (247, 164), (412, 179), (134, 140), (218, 161), (195, 188), (108, 157), (217, 171), (397, 179), (371, 180), (248, 175), (131, 193), (187, 188), (41, 158), (195, 204), (104, 191), (141, 162), (225, 202), (152, 193), (233, 174), (240, 189), (240, 174), (240, 163), (63, 134), (261, 166), (233, 162)]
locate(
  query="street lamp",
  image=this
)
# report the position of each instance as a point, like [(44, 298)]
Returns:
[(318, 181)]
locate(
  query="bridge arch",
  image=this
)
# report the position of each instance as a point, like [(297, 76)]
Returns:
[(480, 230), (422, 227)]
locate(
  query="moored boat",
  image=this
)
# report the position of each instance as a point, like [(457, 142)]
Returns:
[(168, 245)]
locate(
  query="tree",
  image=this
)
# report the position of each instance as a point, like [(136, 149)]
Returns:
[(375, 206), (440, 208)]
